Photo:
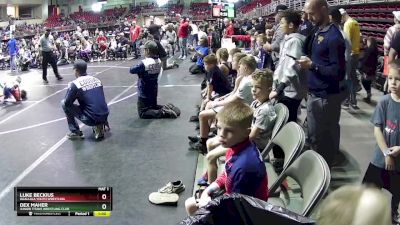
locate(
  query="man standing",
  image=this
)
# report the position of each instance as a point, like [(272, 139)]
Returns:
[(278, 36), (134, 35), (326, 69), (47, 45), (154, 30), (12, 50), (352, 31), (183, 34), (92, 109)]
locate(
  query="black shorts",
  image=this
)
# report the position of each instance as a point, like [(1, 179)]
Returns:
[(381, 178)]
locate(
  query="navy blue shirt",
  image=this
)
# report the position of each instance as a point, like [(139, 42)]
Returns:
[(329, 65), (219, 82), (147, 70), (88, 90)]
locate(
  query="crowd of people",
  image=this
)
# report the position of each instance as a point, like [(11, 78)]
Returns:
[(314, 56)]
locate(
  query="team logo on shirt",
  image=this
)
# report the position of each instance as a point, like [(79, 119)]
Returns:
[(320, 39), (390, 127)]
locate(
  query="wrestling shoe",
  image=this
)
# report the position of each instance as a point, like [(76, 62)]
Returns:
[(98, 132), (75, 135), (194, 119), (174, 108), (164, 198), (168, 113), (172, 187), (59, 77), (198, 146), (45, 81)]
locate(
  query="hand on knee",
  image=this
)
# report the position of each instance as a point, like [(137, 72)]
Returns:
[(191, 206)]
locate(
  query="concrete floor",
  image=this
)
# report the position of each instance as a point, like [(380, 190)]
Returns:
[(137, 157)]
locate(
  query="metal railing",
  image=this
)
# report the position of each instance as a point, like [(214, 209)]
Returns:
[(299, 4)]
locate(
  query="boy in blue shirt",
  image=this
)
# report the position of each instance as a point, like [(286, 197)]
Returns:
[(148, 70), (201, 51), (384, 169)]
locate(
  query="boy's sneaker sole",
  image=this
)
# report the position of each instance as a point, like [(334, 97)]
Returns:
[(164, 198), (174, 108), (75, 136)]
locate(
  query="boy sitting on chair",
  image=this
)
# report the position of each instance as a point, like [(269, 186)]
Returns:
[(245, 172), (92, 109)]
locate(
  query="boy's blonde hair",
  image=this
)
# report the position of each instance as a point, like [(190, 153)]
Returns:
[(355, 205), (264, 77), (233, 51), (223, 54), (211, 59), (238, 56), (250, 62), (263, 37), (395, 66), (236, 114), (203, 41)]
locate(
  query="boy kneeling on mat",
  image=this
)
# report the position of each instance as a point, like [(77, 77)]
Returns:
[(245, 172), (148, 70), (92, 109)]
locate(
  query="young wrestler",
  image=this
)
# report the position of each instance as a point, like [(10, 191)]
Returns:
[(148, 70), (261, 128), (384, 169), (247, 66), (245, 172)]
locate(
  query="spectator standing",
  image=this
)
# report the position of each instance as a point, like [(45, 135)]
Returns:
[(326, 69), (183, 34), (278, 36), (154, 30), (135, 31), (12, 50), (306, 26), (352, 30)]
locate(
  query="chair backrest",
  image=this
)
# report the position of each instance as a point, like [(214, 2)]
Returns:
[(312, 174), (290, 139), (282, 116)]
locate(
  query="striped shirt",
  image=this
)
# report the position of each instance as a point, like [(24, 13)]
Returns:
[(389, 36)]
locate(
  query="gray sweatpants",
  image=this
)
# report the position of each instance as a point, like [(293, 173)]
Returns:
[(323, 115)]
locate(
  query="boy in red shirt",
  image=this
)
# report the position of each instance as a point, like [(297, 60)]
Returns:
[(183, 34), (245, 171)]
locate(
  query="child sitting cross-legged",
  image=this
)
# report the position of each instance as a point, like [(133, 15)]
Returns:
[(247, 66), (261, 127), (245, 172), (201, 51)]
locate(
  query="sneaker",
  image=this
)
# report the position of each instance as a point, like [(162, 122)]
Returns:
[(368, 98), (169, 113), (194, 119), (174, 108), (194, 139), (98, 131), (172, 187), (75, 135), (59, 78), (203, 181), (354, 106), (200, 147), (277, 164), (180, 57), (346, 105), (45, 81), (184, 57), (164, 198)]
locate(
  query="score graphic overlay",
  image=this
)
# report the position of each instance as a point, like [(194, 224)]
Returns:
[(63, 201), (223, 9)]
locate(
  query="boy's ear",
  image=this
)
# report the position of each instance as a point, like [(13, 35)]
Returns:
[(291, 25)]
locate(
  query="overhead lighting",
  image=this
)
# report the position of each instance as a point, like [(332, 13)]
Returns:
[(96, 7), (162, 2)]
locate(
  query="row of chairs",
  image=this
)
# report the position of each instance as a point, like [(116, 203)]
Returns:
[(391, 7), (307, 168)]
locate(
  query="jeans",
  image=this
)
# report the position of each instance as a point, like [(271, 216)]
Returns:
[(74, 111), (352, 79), (13, 65), (323, 115), (183, 44), (49, 58)]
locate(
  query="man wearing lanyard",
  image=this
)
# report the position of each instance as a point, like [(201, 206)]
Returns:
[(325, 70), (47, 45)]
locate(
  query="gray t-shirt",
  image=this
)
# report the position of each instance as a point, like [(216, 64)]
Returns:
[(387, 117), (45, 43), (263, 118), (244, 90)]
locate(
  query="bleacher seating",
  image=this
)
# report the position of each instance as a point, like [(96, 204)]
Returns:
[(200, 10), (252, 5)]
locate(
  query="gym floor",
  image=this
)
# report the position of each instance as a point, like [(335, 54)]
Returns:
[(137, 157)]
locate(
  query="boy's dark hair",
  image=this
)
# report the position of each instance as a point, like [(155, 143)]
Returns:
[(292, 17), (151, 47), (335, 14), (203, 41), (211, 59), (23, 95)]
